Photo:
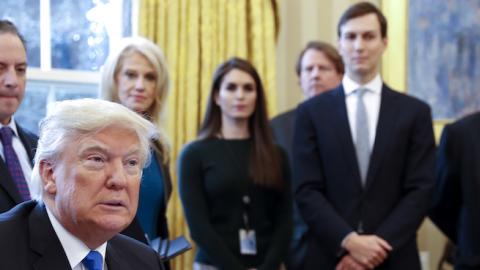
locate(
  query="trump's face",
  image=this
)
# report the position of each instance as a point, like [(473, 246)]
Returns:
[(93, 187)]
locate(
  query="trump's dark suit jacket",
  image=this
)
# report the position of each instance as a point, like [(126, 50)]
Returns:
[(456, 203), (399, 181), (29, 242), (9, 196)]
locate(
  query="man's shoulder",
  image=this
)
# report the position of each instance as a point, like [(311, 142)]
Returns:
[(405, 98), (466, 123), (17, 213), (16, 219), (283, 117), (124, 249), (15, 237), (26, 133), (124, 241), (326, 98)]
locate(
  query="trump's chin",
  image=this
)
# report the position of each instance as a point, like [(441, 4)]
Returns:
[(96, 231), (114, 223)]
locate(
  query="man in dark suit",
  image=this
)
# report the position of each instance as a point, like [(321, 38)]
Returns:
[(17, 146), (456, 204), (88, 167), (319, 68), (363, 159)]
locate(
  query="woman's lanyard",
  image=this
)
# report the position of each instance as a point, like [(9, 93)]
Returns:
[(248, 241)]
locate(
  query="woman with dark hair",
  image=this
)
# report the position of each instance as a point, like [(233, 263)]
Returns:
[(234, 182)]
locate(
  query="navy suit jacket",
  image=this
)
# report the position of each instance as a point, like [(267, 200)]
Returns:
[(456, 204), (29, 242), (9, 196), (400, 177), (283, 127)]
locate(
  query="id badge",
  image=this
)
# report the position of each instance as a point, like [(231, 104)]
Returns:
[(248, 242)]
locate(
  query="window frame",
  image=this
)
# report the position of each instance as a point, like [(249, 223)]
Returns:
[(45, 73)]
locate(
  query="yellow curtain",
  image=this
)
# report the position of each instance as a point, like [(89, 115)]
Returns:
[(196, 36), (394, 62)]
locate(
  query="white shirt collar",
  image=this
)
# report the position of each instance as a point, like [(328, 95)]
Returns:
[(12, 126), (375, 85), (74, 248)]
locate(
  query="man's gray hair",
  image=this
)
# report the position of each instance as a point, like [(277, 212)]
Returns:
[(71, 120)]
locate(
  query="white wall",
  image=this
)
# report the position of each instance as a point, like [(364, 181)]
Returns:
[(300, 22)]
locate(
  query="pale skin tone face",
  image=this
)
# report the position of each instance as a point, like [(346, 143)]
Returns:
[(361, 46), (136, 82), (92, 189), (236, 98), (13, 66), (318, 73)]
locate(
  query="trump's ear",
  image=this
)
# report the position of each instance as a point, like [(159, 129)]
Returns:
[(48, 177)]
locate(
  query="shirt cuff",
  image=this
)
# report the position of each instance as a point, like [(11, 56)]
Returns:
[(345, 239)]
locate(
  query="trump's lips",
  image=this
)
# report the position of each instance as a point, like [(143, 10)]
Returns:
[(113, 204)]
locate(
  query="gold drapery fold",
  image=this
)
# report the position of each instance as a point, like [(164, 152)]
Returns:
[(196, 36)]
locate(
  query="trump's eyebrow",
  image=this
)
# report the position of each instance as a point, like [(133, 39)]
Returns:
[(101, 147)]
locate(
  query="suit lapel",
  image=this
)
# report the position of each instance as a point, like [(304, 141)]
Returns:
[(28, 142), (344, 136), (114, 258), (384, 132), (47, 249)]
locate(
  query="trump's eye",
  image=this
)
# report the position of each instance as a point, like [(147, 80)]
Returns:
[(132, 162), (94, 161), (132, 166)]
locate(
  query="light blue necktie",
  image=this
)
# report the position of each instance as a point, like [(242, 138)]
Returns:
[(362, 145), (93, 260)]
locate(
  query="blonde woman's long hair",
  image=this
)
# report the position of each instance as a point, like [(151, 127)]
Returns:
[(109, 90)]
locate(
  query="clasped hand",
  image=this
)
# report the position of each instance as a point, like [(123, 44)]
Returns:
[(364, 252)]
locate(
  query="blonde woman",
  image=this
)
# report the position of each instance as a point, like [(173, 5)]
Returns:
[(136, 76)]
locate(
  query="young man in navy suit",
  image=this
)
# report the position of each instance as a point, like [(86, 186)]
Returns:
[(363, 159), (14, 189)]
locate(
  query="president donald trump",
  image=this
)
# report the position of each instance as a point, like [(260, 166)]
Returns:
[(88, 167)]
